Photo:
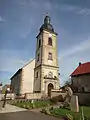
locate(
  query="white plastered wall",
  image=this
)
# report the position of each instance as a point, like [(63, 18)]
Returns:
[(28, 77)]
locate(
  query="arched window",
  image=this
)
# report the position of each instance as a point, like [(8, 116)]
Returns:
[(49, 56), (50, 74), (50, 41)]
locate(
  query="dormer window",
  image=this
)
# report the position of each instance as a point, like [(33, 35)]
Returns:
[(50, 41)]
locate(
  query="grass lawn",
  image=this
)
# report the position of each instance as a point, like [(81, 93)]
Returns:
[(63, 111), (36, 104), (59, 112)]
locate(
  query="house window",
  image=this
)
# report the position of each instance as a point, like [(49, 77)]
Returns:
[(50, 74), (49, 56), (38, 57), (36, 74), (50, 41)]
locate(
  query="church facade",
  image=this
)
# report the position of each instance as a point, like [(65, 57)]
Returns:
[(45, 68), (46, 64)]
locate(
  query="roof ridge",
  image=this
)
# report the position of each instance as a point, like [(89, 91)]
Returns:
[(22, 68), (28, 63), (84, 68)]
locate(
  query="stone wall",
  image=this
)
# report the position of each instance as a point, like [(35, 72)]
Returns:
[(16, 82), (82, 82), (8, 96), (33, 96), (84, 98), (55, 93)]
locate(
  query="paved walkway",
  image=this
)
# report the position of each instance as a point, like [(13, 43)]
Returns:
[(37, 110), (11, 112), (26, 115), (11, 108)]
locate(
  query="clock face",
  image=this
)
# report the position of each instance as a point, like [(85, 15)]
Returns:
[(50, 35)]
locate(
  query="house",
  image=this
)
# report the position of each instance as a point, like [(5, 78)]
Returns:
[(22, 81), (81, 78)]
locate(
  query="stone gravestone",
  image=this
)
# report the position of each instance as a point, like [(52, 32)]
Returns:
[(71, 100), (74, 105)]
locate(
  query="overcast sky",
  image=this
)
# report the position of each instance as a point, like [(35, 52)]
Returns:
[(20, 21)]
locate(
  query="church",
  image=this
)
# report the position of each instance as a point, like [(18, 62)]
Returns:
[(41, 75)]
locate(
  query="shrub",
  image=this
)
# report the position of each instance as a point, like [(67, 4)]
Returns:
[(23, 106), (46, 111), (65, 118), (51, 108), (33, 106), (85, 118), (27, 107), (43, 110), (40, 104), (65, 105), (69, 116)]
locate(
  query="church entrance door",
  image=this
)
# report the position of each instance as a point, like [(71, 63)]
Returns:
[(50, 86)]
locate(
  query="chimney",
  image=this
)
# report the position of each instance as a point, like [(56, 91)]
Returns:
[(79, 63)]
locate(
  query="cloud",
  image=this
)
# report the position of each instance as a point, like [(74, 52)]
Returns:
[(38, 5), (12, 60), (65, 7), (69, 58), (83, 46), (72, 8), (24, 34), (84, 11), (11, 64), (1, 19), (52, 6)]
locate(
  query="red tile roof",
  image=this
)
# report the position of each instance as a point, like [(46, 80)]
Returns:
[(82, 69)]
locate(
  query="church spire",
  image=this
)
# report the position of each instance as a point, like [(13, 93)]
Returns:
[(47, 25), (47, 19)]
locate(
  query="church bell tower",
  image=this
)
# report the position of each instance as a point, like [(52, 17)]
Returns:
[(46, 70)]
